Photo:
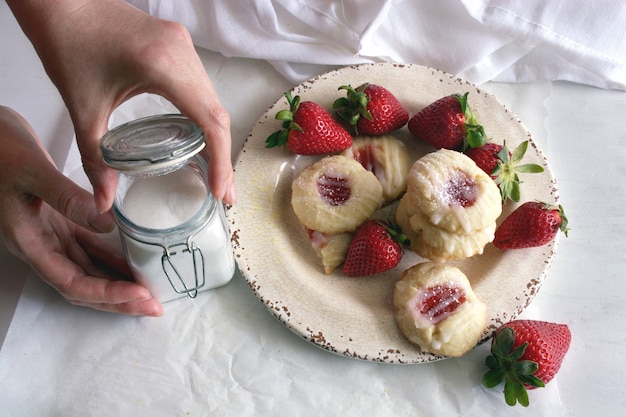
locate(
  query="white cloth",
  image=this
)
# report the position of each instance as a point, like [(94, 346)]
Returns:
[(479, 40)]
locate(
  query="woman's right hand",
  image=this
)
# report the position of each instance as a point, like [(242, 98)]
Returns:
[(100, 53)]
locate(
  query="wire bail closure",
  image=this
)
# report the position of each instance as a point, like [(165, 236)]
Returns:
[(177, 281), (189, 247)]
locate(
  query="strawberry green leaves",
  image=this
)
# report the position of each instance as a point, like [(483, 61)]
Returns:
[(506, 172), (474, 132), (503, 166), (371, 109), (354, 106), (504, 363), (279, 138)]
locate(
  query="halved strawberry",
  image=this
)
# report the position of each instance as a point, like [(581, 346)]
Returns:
[(371, 109), (448, 123), (527, 354), (308, 129), (503, 166), (377, 247), (531, 224)]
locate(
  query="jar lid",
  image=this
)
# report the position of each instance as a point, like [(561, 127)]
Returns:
[(151, 143)]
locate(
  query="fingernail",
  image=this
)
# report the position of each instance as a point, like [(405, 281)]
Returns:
[(144, 295), (232, 194), (102, 202), (155, 311), (102, 222)]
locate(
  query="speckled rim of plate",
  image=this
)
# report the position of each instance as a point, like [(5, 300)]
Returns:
[(353, 317)]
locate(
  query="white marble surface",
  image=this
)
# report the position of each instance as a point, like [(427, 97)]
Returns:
[(225, 355)]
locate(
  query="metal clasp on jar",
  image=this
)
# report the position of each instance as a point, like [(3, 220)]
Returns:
[(174, 277)]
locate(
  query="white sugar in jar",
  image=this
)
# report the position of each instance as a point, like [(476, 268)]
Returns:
[(165, 200), (173, 230)]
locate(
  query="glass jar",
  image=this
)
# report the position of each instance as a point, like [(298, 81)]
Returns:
[(173, 230)]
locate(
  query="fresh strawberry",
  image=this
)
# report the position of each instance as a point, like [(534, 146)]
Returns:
[(531, 224), (527, 354), (376, 247), (486, 156), (503, 166), (308, 129), (448, 123), (371, 109)]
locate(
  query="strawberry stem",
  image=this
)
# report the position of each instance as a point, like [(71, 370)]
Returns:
[(279, 138), (504, 363), (395, 232), (505, 173), (475, 136), (564, 221), (354, 106)]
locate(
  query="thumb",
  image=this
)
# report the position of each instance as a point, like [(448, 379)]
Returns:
[(103, 180), (33, 172), (70, 200)]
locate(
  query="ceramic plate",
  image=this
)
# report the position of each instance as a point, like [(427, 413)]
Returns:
[(353, 317)]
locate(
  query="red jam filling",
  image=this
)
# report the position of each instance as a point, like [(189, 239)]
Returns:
[(439, 302), (333, 190), (460, 189), (366, 156)]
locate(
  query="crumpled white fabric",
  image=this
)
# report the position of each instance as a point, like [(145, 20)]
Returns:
[(479, 40)]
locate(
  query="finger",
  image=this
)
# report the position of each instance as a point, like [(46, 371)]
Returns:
[(192, 92), (51, 246), (102, 252), (151, 307), (53, 263), (70, 200), (215, 124), (217, 154), (104, 294), (102, 178), (75, 285), (33, 173), (15, 123)]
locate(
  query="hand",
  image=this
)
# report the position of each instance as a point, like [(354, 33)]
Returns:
[(49, 222), (100, 53)]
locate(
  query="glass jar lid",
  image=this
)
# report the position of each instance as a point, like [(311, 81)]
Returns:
[(151, 143)]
